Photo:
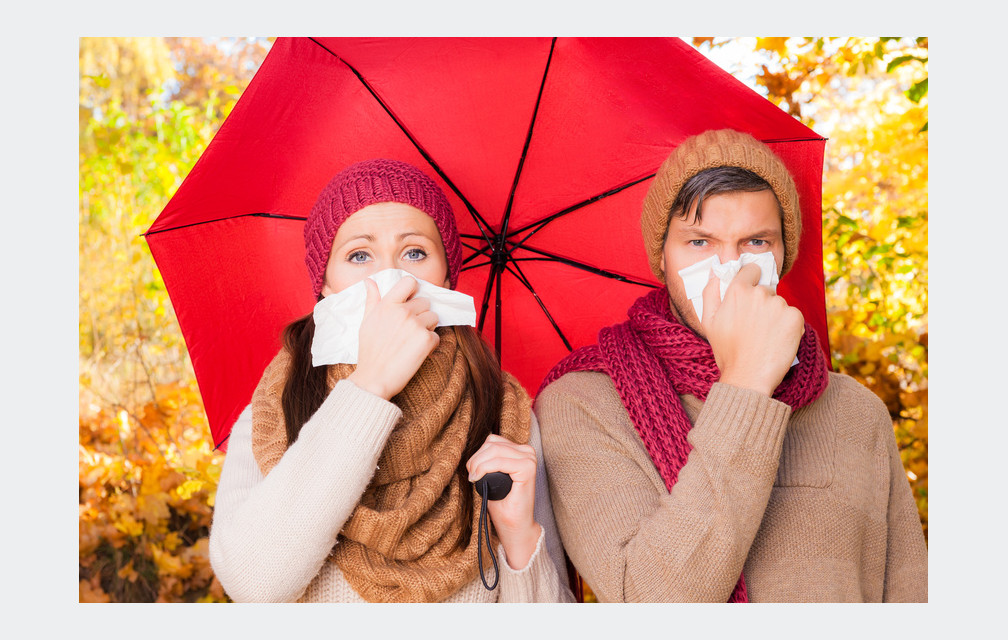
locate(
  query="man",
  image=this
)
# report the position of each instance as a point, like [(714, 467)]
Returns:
[(690, 458)]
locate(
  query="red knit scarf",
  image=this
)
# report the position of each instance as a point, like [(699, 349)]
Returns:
[(653, 359)]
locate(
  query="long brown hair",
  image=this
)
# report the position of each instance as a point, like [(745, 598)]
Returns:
[(306, 389)]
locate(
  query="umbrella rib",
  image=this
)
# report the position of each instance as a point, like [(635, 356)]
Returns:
[(497, 313), (475, 255), (776, 140), (476, 266), (221, 443), (499, 257), (244, 215), (552, 257), (473, 247), (486, 298), (528, 141), (472, 210), (537, 226), (521, 278)]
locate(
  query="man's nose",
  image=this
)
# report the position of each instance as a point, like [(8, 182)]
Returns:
[(727, 255)]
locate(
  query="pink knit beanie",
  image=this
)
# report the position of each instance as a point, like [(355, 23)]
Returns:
[(370, 182)]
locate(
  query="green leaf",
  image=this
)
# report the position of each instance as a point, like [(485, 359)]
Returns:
[(878, 249), (899, 60), (843, 238), (895, 62), (906, 222), (918, 91), (846, 221)]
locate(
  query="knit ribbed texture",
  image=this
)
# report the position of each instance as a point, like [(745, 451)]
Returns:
[(400, 543), (371, 182), (717, 148), (652, 359), (271, 541), (535, 572), (748, 500)]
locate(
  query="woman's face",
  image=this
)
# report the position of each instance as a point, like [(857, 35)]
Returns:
[(385, 235)]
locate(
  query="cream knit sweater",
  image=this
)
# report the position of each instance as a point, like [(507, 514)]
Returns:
[(271, 536), (814, 505)]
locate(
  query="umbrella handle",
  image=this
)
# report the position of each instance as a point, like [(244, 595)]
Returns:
[(492, 486), (497, 484)]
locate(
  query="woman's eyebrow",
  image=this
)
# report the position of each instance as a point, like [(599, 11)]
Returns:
[(407, 234), (359, 236)]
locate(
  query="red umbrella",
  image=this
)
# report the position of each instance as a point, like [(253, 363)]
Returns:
[(545, 148)]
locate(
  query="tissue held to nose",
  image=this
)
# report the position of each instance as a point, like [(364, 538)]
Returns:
[(338, 317), (696, 276)]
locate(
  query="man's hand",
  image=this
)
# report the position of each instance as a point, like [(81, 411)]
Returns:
[(753, 332)]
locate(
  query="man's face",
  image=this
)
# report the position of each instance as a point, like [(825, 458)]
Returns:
[(732, 224)]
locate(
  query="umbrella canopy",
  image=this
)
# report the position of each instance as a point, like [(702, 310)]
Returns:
[(545, 148)]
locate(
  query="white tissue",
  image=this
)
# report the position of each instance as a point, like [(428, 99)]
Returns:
[(696, 276), (338, 317)]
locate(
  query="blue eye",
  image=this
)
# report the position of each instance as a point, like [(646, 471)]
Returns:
[(358, 257), (698, 243), (416, 254)]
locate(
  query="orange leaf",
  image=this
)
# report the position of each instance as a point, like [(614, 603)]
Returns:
[(91, 591)]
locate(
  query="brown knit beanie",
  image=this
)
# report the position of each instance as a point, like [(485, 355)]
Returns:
[(717, 148), (371, 182)]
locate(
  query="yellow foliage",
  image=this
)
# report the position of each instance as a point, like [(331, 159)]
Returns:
[(147, 469), (144, 519), (875, 240), (778, 45)]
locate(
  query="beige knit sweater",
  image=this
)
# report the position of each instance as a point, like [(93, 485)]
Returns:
[(814, 505), (271, 536)]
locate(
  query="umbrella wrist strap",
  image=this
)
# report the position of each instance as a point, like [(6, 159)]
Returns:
[(484, 526)]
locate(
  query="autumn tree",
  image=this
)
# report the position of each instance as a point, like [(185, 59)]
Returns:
[(147, 472)]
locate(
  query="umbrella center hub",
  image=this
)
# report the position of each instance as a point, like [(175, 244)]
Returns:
[(499, 257)]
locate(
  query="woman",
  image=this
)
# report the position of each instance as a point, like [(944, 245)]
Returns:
[(354, 483)]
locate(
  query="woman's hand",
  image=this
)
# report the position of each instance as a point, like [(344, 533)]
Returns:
[(512, 516), (396, 336)]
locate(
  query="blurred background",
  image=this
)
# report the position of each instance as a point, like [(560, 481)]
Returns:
[(149, 106)]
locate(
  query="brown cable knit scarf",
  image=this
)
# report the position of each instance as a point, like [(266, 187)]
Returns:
[(399, 544)]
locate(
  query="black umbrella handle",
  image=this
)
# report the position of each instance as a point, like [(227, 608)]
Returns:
[(494, 485)]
